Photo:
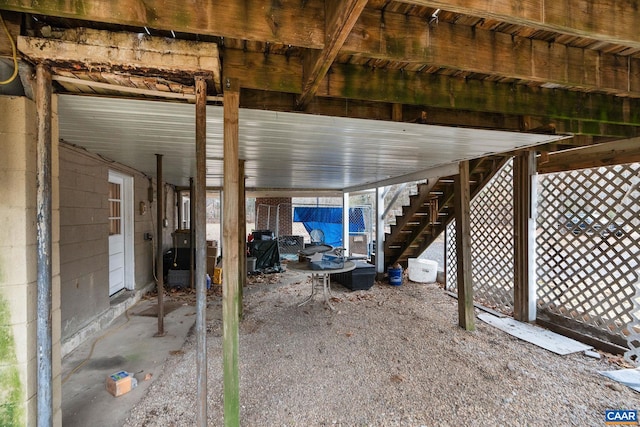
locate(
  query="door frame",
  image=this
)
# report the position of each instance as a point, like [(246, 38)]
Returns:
[(128, 226)]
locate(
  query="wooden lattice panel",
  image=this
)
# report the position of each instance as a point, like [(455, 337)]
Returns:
[(491, 243), (587, 248), (633, 339)]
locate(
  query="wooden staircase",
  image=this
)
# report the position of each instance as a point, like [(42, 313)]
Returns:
[(430, 210)]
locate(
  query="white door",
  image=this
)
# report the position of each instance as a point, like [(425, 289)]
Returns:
[(116, 234)]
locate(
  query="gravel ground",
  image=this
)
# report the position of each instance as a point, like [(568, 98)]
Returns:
[(390, 356)]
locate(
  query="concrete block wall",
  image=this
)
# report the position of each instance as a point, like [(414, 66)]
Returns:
[(86, 305), (266, 214), (18, 265), (146, 223), (84, 244)]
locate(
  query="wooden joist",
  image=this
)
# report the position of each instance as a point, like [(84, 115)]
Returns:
[(407, 39), (285, 21), (606, 20), (606, 154), (301, 22), (378, 110), (340, 17), (277, 73)]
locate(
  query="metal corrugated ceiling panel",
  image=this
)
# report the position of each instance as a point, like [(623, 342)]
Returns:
[(282, 150)]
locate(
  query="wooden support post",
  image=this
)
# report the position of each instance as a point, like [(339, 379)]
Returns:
[(192, 233), (230, 259), (379, 253), (396, 112), (201, 249), (466, 317), (242, 237), (345, 223), (159, 258), (524, 286), (43, 242)]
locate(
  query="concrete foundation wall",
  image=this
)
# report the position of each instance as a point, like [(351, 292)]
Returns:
[(18, 265)]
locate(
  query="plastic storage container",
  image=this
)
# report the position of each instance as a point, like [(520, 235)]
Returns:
[(251, 264), (361, 278), (179, 278), (395, 276), (422, 270)]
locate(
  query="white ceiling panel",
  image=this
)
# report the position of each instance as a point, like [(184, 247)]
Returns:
[(281, 150)]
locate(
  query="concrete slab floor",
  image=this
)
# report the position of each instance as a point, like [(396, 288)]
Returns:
[(127, 345)]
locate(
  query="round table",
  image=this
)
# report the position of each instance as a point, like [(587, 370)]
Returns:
[(316, 275)]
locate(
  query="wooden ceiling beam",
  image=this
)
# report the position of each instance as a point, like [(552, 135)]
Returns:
[(340, 17), (95, 48), (407, 39), (607, 154), (362, 109), (299, 23), (278, 73), (605, 20), (397, 37)]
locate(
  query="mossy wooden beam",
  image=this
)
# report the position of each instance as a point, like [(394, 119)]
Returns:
[(230, 260), (604, 20), (405, 87), (362, 109), (282, 74), (340, 17), (407, 39), (299, 23)]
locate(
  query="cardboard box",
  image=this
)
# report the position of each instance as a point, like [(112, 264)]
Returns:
[(120, 383), (212, 251), (217, 276)]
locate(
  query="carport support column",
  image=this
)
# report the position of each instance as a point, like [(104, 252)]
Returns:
[(462, 201), (242, 239), (44, 244), (201, 249), (345, 223), (230, 293), (524, 214), (379, 231), (159, 258)]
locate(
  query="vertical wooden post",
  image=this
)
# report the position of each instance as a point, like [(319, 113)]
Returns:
[(159, 258), (192, 233), (44, 245), (524, 287), (231, 255), (178, 198), (379, 253), (201, 249), (345, 223), (396, 112), (242, 237), (466, 317)]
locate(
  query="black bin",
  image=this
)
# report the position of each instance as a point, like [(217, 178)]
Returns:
[(361, 278)]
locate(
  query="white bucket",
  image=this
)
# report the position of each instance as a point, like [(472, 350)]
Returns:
[(422, 270)]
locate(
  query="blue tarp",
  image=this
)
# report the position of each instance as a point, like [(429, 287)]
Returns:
[(329, 220)]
